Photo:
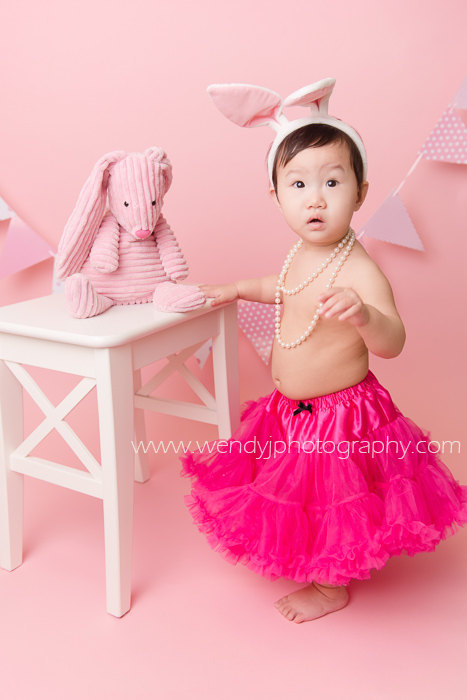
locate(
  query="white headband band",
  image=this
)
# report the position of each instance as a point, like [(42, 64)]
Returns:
[(251, 105)]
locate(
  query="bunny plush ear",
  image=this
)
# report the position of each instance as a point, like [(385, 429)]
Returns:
[(162, 165), (315, 96), (247, 105), (83, 224)]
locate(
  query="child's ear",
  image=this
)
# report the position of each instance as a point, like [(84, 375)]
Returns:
[(274, 198), (362, 193)]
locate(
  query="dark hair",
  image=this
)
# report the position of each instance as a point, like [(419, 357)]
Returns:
[(314, 136)]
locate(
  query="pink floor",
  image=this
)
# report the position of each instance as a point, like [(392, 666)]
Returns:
[(202, 628)]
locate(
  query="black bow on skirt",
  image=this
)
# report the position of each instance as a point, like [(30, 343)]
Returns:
[(303, 407)]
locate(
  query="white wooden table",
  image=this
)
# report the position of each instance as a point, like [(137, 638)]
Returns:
[(108, 352)]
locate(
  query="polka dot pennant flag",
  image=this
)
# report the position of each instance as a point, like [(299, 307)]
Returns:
[(257, 322), (448, 140)]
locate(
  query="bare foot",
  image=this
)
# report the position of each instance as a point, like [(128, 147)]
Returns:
[(312, 601)]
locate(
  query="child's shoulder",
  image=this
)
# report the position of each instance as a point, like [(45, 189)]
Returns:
[(368, 279), (362, 260)]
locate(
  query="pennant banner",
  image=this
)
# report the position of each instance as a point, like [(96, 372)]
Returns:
[(202, 353), (23, 247), (257, 321), (392, 223), (448, 140), (5, 211), (460, 100)]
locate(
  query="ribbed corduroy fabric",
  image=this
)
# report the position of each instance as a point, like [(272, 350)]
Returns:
[(117, 246)]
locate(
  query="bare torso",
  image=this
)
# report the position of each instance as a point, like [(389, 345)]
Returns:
[(334, 356)]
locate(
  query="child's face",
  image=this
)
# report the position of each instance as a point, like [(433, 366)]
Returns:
[(317, 193)]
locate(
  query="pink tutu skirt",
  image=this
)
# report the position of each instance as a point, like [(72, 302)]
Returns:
[(324, 489)]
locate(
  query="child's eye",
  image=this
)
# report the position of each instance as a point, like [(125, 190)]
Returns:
[(331, 183), (299, 184), (126, 204)]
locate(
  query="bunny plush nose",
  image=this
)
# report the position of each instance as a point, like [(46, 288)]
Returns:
[(141, 234)]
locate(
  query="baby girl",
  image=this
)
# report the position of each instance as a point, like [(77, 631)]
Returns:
[(328, 506)]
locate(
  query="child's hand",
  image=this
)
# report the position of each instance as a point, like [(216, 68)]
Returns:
[(220, 293), (346, 302)]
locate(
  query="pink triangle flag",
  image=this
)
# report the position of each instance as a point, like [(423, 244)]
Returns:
[(392, 223), (257, 322), (23, 247), (448, 140), (460, 99)]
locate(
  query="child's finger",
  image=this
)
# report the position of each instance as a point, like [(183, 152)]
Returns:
[(324, 296), (349, 312), (329, 304), (209, 292), (336, 308)]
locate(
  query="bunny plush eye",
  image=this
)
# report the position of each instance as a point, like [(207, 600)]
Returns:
[(154, 203), (126, 204)]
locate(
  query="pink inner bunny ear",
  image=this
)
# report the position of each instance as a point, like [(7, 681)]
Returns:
[(315, 96), (246, 105)]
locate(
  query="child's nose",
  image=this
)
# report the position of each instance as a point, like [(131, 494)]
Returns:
[(316, 199)]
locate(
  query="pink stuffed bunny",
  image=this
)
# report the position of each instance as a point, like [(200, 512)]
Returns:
[(117, 248)]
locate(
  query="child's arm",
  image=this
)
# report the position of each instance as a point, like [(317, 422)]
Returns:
[(262, 289), (377, 319)]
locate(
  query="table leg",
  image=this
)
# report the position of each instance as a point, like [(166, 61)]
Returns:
[(11, 483), (114, 374), (142, 473), (225, 364)]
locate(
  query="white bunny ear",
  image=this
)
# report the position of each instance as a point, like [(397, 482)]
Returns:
[(315, 96), (247, 105)]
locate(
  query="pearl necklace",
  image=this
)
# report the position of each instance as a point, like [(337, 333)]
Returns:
[(348, 242)]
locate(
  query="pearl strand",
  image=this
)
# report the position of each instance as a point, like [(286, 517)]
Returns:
[(318, 271), (351, 240)]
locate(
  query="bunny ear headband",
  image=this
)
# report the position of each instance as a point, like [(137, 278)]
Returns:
[(251, 105)]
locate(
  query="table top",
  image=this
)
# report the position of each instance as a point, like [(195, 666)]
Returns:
[(48, 318)]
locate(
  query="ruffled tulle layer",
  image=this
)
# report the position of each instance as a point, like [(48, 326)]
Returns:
[(312, 516)]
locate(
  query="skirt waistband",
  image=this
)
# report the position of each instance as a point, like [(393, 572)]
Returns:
[(350, 393)]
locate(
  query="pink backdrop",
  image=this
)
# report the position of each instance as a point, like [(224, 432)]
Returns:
[(81, 78)]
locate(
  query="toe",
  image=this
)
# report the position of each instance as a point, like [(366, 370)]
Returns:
[(282, 601), (285, 610)]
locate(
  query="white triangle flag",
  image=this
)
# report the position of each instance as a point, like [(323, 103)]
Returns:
[(392, 223), (5, 211), (23, 248), (202, 353)]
